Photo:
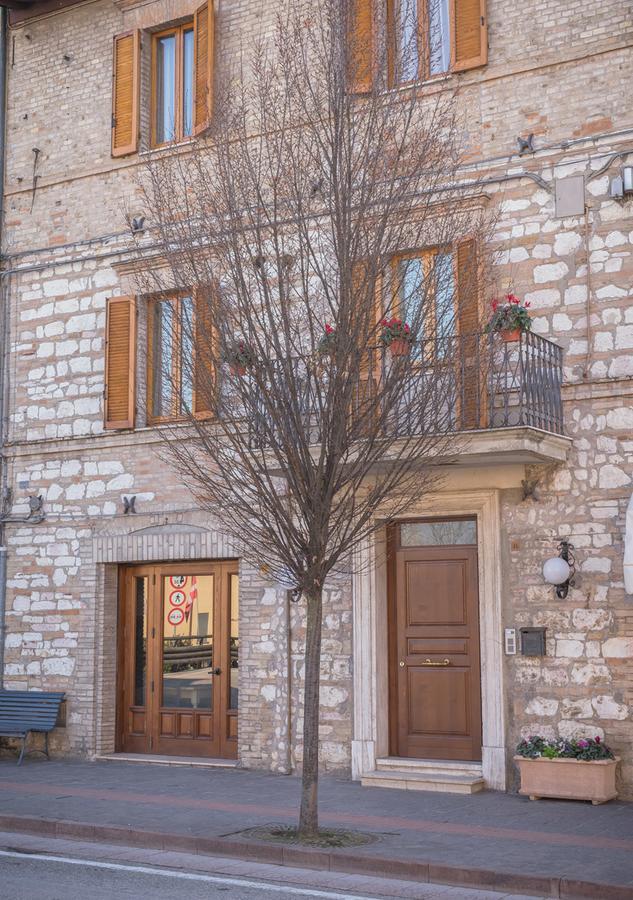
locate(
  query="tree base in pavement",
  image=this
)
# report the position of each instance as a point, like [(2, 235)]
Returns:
[(325, 837)]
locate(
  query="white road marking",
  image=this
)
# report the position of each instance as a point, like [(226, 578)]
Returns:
[(187, 876)]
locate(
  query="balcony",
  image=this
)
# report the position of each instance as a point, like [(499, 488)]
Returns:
[(501, 401)]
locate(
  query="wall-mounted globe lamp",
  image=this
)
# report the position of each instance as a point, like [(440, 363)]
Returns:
[(560, 570)]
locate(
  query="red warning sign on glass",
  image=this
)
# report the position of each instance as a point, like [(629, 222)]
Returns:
[(177, 598), (176, 616), (178, 581)]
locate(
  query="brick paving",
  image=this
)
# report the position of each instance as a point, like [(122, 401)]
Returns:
[(493, 831)]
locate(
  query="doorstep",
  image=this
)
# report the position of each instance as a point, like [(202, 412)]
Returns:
[(158, 760), (443, 776)]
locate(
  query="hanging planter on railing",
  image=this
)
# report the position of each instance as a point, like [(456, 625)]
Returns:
[(396, 336), (240, 358), (510, 317)]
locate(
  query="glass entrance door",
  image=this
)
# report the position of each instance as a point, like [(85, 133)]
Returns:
[(179, 660)]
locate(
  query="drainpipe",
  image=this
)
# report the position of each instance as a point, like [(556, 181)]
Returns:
[(4, 342)]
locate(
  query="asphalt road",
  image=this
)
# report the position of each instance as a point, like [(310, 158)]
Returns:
[(27, 878), (44, 877)]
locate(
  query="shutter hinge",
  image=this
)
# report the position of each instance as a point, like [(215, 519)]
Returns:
[(153, 632), (114, 117), (483, 22), (152, 686)]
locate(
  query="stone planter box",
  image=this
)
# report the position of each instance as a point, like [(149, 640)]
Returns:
[(568, 779)]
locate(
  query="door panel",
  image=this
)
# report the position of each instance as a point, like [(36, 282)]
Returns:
[(178, 660), (435, 690)]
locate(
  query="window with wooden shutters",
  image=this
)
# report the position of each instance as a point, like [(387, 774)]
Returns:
[(204, 45), (120, 368), (469, 34), (427, 38), (360, 47), (180, 371), (125, 93)]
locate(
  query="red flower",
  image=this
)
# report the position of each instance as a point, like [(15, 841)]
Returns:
[(406, 329), (329, 329), (597, 739), (527, 304)]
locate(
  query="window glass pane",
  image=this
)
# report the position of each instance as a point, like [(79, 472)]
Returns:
[(235, 642), (406, 34), (188, 641), (439, 37), (444, 275), (187, 82), (140, 641), (163, 358), (166, 89), (411, 285), (186, 354), (425, 534)]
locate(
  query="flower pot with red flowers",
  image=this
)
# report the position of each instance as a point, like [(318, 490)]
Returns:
[(580, 769), (240, 358), (327, 344), (509, 318), (396, 335)]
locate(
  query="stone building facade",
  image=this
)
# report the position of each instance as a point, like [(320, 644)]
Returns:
[(562, 75)]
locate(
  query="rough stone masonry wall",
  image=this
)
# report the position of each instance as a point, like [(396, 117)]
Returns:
[(584, 687), (572, 86)]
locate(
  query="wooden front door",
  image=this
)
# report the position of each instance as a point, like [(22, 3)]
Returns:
[(178, 659), (435, 683)]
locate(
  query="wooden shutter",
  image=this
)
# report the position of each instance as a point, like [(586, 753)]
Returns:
[(120, 367), (469, 34), (204, 350), (471, 355), (368, 385), (360, 49), (204, 40), (125, 93)]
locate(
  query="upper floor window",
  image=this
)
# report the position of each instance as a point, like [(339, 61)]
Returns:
[(419, 39), (173, 84), (425, 297), (175, 100), (424, 38), (171, 371), (170, 357)]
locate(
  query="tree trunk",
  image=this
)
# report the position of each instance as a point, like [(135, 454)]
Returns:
[(309, 814)]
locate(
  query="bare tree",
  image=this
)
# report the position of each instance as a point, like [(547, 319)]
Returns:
[(293, 233)]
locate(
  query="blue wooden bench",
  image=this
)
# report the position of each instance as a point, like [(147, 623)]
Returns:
[(22, 712)]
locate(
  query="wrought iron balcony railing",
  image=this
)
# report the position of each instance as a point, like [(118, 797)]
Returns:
[(463, 382)]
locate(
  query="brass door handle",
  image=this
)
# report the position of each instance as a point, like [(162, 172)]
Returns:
[(444, 662)]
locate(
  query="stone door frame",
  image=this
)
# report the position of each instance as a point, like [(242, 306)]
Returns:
[(371, 666)]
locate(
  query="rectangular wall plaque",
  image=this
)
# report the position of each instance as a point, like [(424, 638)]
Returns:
[(532, 641)]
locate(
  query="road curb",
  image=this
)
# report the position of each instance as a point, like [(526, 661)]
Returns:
[(324, 860)]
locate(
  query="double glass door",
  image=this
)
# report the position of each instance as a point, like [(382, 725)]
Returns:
[(178, 659)]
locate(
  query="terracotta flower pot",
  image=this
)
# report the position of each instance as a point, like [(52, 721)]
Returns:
[(511, 336), (237, 369), (400, 347), (568, 779)]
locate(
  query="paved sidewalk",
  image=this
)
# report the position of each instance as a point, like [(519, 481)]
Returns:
[(487, 831)]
